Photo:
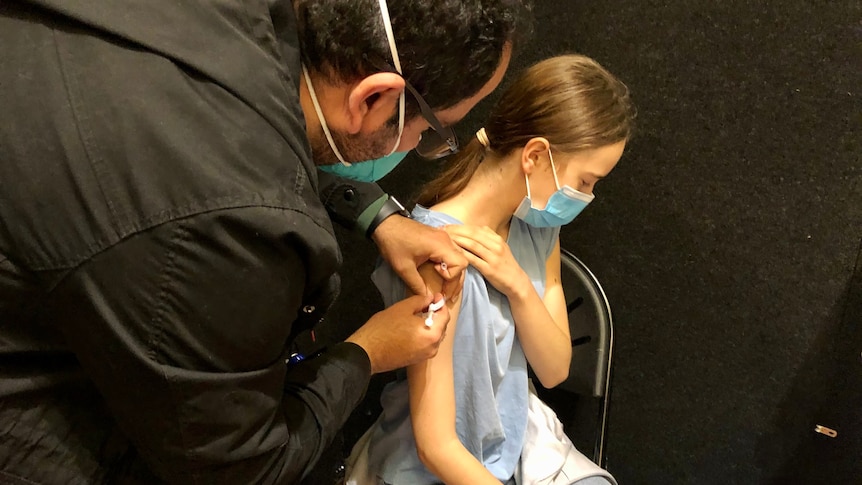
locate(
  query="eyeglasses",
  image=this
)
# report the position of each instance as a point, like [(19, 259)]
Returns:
[(436, 144)]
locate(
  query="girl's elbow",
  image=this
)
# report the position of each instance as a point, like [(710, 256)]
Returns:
[(428, 455), (433, 452), (555, 378)]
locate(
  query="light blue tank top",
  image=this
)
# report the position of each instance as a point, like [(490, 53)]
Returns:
[(490, 370)]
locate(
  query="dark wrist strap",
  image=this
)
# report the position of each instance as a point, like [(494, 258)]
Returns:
[(390, 207)]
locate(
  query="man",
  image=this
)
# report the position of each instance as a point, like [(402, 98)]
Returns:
[(367, 109), (162, 240)]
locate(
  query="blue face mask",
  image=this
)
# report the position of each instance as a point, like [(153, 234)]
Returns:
[(563, 206), (368, 171)]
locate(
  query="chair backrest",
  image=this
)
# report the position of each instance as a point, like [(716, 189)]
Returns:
[(591, 328)]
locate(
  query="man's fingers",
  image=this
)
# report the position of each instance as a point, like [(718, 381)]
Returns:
[(416, 305), (413, 280), (441, 323), (454, 288), (445, 249)]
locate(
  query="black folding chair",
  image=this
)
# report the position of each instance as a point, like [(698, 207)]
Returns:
[(584, 396)]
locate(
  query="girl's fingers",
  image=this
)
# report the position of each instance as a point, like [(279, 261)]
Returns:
[(476, 261), (471, 245), (485, 247), (481, 234)]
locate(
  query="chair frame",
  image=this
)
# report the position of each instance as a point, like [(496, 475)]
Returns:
[(601, 384)]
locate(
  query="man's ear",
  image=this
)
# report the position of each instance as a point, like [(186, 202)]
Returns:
[(533, 152), (372, 102)]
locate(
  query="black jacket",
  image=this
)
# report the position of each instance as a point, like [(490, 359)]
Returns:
[(161, 244)]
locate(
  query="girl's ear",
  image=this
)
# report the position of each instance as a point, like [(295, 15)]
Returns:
[(533, 153), (372, 101)]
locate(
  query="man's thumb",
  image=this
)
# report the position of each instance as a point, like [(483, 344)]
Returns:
[(415, 283)]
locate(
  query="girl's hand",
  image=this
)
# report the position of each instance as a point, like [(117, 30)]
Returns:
[(490, 254)]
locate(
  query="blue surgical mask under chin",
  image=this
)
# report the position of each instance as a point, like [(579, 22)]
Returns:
[(563, 206), (367, 171)]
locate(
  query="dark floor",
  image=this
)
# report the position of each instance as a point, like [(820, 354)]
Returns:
[(726, 239)]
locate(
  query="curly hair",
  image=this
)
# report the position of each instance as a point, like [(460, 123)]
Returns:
[(448, 49)]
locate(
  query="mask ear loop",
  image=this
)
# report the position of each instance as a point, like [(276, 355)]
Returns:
[(527, 179), (384, 10), (387, 24), (554, 169), (321, 118)]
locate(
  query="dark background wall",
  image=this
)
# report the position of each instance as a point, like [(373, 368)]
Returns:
[(727, 240)]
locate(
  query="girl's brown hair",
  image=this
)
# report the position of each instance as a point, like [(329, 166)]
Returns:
[(571, 100)]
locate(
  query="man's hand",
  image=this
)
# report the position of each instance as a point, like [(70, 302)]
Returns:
[(399, 335), (406, 244)]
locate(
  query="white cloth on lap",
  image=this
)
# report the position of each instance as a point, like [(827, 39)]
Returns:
[(549, 457)]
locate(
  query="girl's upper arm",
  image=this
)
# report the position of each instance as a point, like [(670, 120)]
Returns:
[(431, 383), (555, 299)]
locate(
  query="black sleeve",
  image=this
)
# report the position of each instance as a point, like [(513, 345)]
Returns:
[(346, 199), (185, 330)]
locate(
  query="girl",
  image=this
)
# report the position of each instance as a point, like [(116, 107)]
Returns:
[(467, 416)]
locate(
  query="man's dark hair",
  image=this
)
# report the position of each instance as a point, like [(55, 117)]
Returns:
[(448, 49)]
